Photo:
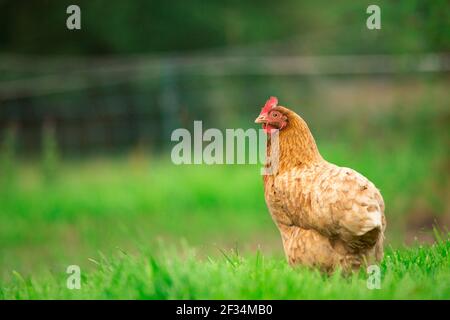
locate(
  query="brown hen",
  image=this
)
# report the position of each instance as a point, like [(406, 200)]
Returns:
[(328, 216)]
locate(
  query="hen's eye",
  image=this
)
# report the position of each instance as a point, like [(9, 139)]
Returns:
[(275, 115)]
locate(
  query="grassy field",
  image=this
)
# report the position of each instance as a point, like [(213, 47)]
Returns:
[(56, 212), (420, 273), (90, 210), (86, 118)]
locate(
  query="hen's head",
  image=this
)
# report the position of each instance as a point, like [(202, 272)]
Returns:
[(272, 117)]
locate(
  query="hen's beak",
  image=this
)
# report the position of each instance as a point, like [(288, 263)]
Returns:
[(261, 119)]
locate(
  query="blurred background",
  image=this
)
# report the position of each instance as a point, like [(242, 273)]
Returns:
[(86, 117)]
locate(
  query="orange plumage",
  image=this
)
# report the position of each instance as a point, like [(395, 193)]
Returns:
[(328, 216)]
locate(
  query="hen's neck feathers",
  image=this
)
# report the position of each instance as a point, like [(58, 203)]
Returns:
[(297, 146)]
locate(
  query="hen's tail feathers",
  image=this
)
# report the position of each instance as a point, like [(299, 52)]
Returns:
[(369, 232), (372, 221)]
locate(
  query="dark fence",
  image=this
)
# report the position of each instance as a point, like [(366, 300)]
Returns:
[(96, 105)]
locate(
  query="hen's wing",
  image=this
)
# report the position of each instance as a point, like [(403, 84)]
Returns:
[(335, 201)]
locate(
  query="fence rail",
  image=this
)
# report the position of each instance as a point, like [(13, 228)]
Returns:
[(37, 76)]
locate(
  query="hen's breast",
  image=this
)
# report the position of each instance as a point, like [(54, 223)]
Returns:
[(275, 202)]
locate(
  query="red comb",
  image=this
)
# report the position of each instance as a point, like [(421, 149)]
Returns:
[(272, 102)]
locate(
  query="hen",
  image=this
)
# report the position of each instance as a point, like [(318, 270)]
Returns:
[(328, 216)]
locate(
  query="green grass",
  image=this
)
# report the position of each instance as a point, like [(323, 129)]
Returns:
[(418, 273), (128, 202), (56, 212)]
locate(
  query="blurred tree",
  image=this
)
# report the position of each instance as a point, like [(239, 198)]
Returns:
[(312, 26)]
